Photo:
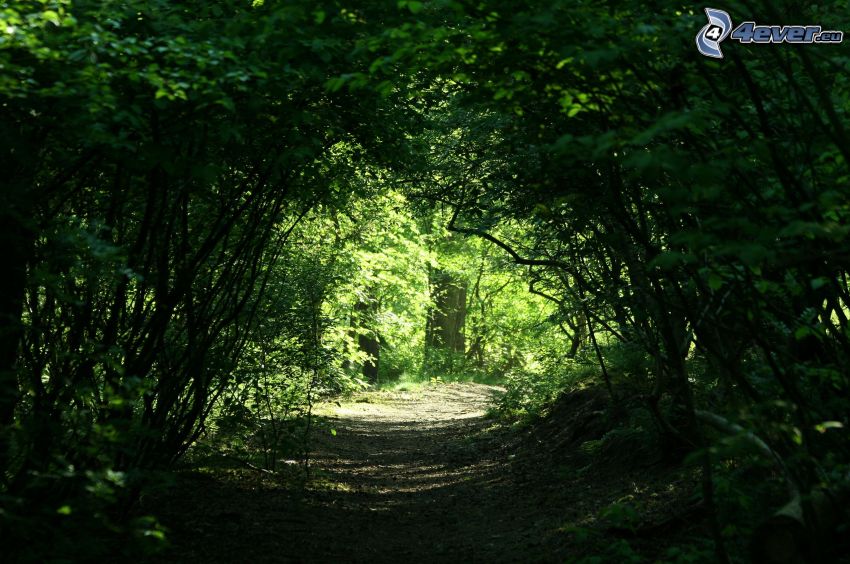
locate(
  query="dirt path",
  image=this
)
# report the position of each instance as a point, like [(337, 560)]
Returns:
[(419, 476), (424, 476), (414, 476)]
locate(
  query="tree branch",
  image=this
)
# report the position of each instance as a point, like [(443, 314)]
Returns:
[(517, 258)]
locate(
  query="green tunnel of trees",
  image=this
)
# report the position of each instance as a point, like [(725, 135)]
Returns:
[(214, 212)]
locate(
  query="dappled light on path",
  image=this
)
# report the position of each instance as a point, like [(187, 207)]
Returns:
[(411, 476), (405, 442), (417, 476)]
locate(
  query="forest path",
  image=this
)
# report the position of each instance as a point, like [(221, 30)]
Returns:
[(413, 476), (396, 476)]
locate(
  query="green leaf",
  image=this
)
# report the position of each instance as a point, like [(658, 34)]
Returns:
[(336, 83), (715, 281), (802, 332), (819, 283), (51, 16), (155, 533), (822, 427), (671, 259)]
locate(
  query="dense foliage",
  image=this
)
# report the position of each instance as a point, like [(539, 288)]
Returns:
[(214, 213)]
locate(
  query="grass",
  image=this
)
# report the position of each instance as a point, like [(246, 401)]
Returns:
[(414, 382)]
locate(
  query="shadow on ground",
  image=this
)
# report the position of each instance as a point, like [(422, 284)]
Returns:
[(408, 477)]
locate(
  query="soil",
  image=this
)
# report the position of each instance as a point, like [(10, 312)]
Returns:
[(425, 476)]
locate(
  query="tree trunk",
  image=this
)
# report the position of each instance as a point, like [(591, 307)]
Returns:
[(447, 317), (367, 342)]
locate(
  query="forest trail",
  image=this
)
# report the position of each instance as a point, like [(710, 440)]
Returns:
[(396, 476), (405, 474)]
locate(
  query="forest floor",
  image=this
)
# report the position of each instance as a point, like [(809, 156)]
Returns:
[(425, 476)]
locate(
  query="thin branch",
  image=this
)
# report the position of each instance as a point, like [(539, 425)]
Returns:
[(504, 246)]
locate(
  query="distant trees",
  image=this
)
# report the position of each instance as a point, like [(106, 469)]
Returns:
[(404, 304)]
